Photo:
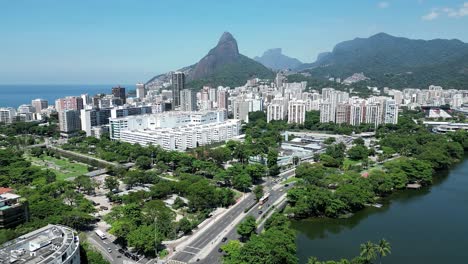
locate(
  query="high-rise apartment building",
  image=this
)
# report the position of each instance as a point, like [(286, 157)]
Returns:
[(69, 103), (7, 115), (69, 122), (140, 91), (374, 114), (86, 99), (357, 114), (296, 112), (277, 109), (119, 92), (390, 112), (223, 98), (213, 95), (178, 84), (343, 112), (39, 104), (188, 100), (241, 109)]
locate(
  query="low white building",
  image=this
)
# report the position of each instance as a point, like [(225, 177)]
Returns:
[(175, 130)]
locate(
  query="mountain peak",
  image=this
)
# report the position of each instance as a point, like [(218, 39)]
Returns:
[(226, 52), (382, 35), (226, 37), (276, 60), (275, 51)]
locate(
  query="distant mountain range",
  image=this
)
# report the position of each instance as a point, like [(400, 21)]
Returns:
[(276, 60), (223, 65), (389, 61), (396, 62)]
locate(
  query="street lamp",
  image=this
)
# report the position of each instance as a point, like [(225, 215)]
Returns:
[(155, 236)]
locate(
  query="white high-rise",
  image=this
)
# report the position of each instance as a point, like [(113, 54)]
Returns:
[(296, 112), (140, 91), (277, 109), (391, 112), (7, 115)]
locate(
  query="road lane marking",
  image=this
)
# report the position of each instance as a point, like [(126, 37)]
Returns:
[(193, 247), (191, 253)]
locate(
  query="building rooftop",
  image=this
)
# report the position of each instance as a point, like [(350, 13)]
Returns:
[(5, 190), (40, 246)]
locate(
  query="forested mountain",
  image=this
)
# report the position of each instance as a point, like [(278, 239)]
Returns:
[(397, 62), (276, 60), (223, 65)]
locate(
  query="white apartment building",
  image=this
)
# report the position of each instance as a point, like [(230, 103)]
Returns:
[(175, 130), (296, 112), (140, 91), (183, 137), (391, 112), (163, 120), (277, 109), (7, 115)]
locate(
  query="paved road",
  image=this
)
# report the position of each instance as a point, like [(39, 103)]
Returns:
[(215, 231), (218, 230), (215, 256), (103, 245)]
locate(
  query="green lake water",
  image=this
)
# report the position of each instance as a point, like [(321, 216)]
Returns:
[(426, 226)]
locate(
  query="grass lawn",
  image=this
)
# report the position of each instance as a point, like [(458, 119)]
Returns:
[(63, 167), (290, 179)]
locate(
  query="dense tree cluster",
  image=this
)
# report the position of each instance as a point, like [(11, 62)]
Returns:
[(29, 128), (276, 245), (50, 201), (414, 140), (326, 190), (369, 253)]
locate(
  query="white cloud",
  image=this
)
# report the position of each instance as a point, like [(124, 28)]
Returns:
[(383, 5), (431, 16), (448, 11)]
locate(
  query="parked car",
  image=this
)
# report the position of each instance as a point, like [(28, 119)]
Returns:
[(224, 239)]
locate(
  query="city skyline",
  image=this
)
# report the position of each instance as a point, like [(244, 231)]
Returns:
[(87, 42)]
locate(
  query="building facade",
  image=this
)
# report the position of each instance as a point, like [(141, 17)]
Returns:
[(13, 209), (52, 244), (188, 100), (69, 122), (119, 92), (178, 84), (39, 104)]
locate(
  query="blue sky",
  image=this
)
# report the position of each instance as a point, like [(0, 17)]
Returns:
[(125, 41)]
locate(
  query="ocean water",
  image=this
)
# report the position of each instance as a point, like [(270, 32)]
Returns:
[(15, 95)]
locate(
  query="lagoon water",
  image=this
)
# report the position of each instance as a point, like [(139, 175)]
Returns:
[(427, 226)]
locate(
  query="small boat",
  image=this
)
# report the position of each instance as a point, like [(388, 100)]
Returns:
[(377, 205)]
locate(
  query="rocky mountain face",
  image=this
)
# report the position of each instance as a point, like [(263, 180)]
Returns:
[(276, 60), (223, 65), (225, 52)]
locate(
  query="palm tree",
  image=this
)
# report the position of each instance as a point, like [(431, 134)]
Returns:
[(383, 249), (368, 251)]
